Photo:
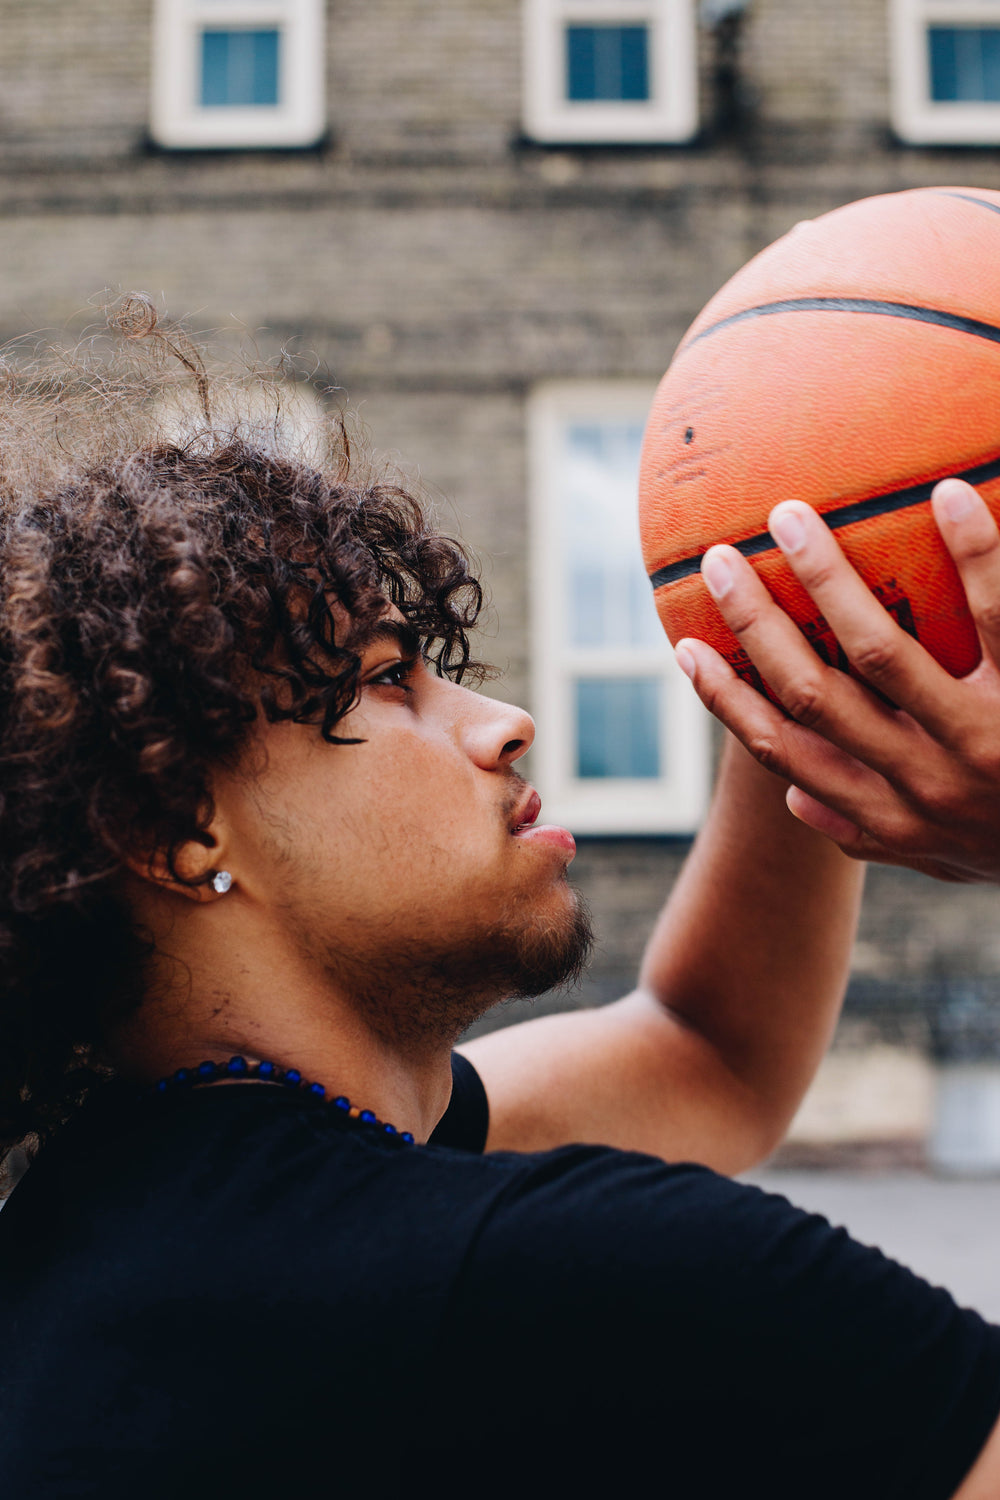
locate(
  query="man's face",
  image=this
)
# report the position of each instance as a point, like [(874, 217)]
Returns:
[(410, 867)]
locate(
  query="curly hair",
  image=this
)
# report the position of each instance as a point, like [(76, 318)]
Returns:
[(157, 597)]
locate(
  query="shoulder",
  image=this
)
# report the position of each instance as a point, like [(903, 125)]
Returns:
[(724, 1270), (673, 1239), (653, 1289)]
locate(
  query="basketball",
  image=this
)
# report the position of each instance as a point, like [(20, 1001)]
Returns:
[(852, 364)]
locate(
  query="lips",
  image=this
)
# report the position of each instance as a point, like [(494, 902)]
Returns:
[(544, 835), (528, 811)]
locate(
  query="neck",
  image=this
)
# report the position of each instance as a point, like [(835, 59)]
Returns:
[(262, 1001)]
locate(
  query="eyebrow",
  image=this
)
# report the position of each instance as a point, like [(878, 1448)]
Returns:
[(395, 632)]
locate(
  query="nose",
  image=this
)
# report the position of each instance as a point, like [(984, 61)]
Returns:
[(494, 734)]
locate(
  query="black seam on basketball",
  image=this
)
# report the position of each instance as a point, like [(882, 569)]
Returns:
[(845, 515), (872, 306), (994, 208)]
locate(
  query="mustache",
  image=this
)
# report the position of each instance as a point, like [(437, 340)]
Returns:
[(513, 795)]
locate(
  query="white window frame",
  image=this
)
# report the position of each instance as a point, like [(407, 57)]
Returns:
[(671, 112), (674, 802), (916, 117), (179, 120)]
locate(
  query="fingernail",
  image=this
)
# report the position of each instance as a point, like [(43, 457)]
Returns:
[(717, 574), (685, 661), (958, 501), (787, 529)]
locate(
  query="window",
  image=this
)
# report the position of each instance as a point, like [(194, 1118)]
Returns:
[(237, 73), (623, 743), (607, 62), (946, 70), (238, 68), (610, 70)]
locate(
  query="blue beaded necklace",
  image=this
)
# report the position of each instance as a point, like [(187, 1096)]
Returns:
[(269, 1072)]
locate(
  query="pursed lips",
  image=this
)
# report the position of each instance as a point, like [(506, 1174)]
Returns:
[(528, 811), (525, 826)]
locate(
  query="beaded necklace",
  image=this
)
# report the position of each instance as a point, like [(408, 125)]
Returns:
[(269, 1072)]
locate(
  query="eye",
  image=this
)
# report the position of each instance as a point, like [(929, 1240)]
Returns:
[(395, 675)]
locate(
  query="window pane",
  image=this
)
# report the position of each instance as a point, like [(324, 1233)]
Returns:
[(618, 727), (964, 64), (610, 600), (239, 68), (607, 62)]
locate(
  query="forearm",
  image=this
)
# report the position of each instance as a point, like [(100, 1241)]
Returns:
[(752, 949)]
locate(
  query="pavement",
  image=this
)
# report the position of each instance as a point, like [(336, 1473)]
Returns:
[(947, 1230)]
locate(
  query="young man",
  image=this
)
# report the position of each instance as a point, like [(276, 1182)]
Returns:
[(264, 860)]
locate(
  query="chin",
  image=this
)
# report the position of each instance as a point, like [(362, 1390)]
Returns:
[(421, 994), (552, 948)]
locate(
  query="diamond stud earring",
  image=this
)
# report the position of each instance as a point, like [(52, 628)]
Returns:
[(221, 881)]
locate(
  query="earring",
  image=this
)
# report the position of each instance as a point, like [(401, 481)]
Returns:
[(221, 881)]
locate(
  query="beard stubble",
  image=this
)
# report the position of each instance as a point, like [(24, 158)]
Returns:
[(416, 997)]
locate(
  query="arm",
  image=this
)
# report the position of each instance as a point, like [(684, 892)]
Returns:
[(738, 994), (916, 785), (983, 1480)]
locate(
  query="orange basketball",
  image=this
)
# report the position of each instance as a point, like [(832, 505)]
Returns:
[(852, 364)]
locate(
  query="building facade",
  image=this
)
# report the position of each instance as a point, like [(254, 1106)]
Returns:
[(491, 221)]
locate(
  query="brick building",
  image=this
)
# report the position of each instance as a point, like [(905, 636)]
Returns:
[(492, 220)]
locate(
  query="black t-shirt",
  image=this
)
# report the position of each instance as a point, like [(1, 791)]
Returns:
[(235, 1291)]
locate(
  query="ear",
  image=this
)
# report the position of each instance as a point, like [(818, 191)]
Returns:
[(194, 865)]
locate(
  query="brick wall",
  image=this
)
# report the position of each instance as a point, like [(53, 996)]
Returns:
[(448, 83), (74, 78), (812, 63), (411, 80)]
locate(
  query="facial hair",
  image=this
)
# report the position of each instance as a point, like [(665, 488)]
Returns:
[(418, 992), (424, 998)]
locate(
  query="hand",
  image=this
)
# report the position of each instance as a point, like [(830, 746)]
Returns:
[(916, 785)]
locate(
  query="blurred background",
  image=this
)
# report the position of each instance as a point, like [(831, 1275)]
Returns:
[(489, 222)]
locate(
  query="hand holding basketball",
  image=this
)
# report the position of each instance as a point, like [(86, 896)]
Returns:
[(917, 784), (853, 363)]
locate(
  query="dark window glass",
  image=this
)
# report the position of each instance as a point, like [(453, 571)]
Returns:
[(964, 64), (239, 68), (618, 727), (607, 63)]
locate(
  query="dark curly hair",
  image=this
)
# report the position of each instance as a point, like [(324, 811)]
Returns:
[(158, 594)]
